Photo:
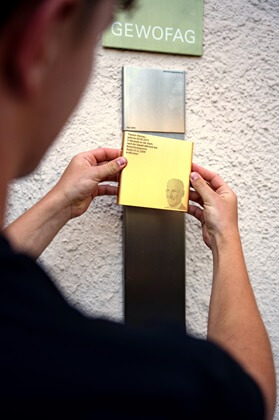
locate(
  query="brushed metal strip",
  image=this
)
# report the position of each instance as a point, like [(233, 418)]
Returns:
[(178, 136), (154, 246), (153, 100), (154, 266)]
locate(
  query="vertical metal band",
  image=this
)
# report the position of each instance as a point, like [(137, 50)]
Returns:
[(154, 240), (154, 266)]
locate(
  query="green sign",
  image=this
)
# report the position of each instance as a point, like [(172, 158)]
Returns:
[(168, 26)]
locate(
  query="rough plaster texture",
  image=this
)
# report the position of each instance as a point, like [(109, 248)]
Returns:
[(233, 116)]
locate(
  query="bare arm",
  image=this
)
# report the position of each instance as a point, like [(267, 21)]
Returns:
[(32, 232), (79, 185), (234, 320)]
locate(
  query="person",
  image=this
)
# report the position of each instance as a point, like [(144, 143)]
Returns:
[(175, 192), (55, 361)]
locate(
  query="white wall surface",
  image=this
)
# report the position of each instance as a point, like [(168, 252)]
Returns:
[(233, 117)]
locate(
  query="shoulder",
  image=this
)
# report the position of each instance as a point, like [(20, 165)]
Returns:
[(205, 380), (193, 375), (25, 281)]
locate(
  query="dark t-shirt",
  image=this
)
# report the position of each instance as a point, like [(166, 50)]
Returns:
[(57, 362)]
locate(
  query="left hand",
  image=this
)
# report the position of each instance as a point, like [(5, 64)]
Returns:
[(79, 184)]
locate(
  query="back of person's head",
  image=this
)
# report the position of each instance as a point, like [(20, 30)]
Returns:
[(10, 8), (46, 56)]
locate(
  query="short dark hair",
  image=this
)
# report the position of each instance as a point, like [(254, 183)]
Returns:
[(10, 7), (126, 4)]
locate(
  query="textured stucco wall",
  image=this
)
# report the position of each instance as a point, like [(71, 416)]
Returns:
[(232, 115)]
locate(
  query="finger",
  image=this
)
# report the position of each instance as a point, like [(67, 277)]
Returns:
[(102, 155), (194, 196), (214, 179), (107, 190), (113, 178), (201, 187), (195, 212), (111, 168)]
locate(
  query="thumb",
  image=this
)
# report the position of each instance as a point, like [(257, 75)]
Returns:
[(110, 168), (201, 186)]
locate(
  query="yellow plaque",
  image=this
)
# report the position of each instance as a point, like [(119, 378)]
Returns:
[(158, 172)]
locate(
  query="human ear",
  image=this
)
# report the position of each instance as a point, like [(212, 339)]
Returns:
[(36, 43)]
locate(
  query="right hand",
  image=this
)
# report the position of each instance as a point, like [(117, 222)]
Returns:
[(80, 182), (218, 214)]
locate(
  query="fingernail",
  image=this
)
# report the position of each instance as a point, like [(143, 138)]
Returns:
[(194, 176), (122, 161)]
